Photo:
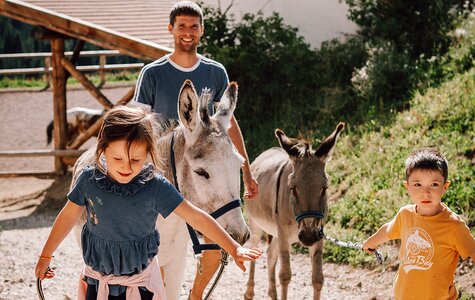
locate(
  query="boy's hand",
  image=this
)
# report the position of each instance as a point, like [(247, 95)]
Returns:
[(43, 270), (244, 254), (369, 246)]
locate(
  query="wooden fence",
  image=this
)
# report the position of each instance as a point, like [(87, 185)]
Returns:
[(47, 69)]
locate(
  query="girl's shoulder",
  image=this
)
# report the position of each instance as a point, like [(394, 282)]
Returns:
[(87, 173)]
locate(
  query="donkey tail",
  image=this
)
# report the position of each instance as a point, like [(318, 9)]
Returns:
[(49, 133)]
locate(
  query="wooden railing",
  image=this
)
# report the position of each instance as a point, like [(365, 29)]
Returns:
[(46, 70)]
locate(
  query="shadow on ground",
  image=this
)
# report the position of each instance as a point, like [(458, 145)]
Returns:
[(38, 209)]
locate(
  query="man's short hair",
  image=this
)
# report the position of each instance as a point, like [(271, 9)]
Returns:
[(185, 8), (427, 159)]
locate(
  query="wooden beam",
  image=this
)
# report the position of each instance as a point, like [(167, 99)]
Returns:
[(86, 135), (41, 33), (86, 83), (59, 102), (94, 129), (30, 153), (82, 30), (10, 174), (70, 160), (127, 97), (76, 52)]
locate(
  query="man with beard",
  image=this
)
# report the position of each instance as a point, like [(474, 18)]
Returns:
[(159, 84)]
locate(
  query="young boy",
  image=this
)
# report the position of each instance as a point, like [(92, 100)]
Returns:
[(432, 236)]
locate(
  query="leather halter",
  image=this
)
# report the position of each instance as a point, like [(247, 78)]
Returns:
[(198, 248)]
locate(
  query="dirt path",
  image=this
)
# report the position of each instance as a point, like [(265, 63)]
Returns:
[(25, 223)]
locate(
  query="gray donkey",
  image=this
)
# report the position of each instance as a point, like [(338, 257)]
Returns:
[(291, 206)]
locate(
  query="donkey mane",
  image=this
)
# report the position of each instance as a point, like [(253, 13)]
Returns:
[(303, 148), (167, 125)]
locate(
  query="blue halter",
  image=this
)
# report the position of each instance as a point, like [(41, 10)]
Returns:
[(304, 214)]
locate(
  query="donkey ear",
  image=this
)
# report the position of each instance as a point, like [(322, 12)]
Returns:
[(324, 152), (287, 143), (227, 104), (188, 106)]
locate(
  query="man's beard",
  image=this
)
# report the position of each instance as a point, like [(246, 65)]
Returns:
[(186, 48)]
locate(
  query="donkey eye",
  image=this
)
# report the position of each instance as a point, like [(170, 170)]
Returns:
[(202, 172)]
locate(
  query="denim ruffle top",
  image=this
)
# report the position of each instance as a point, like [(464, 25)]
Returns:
[(120, 236)]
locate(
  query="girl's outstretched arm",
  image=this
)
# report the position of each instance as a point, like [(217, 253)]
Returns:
[(204, 223), (63, 224)]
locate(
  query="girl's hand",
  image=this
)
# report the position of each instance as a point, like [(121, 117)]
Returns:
[(245, 254), (43, 270)]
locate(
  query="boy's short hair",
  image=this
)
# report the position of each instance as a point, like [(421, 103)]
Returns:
[(185, 8), (427, 159)]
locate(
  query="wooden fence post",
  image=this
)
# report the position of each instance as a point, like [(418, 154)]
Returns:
[(47, 75), (102, 71), (59, 102)]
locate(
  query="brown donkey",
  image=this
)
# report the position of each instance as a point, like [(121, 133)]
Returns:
[(291, 206)]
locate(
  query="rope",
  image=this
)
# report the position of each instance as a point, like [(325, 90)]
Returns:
[(39, 289), (357, 246), (224, 262)]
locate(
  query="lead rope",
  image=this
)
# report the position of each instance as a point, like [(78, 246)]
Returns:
[(39, 289), (224, 262), (224, 254), (357, 246)]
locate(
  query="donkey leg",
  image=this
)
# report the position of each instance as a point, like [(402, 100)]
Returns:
[(272, 255), (256, 234), (172, 253), (210, 263), (317, 269), (173, 274), (285, 273)]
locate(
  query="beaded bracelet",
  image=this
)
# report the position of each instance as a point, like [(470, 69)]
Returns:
[(46, 257)]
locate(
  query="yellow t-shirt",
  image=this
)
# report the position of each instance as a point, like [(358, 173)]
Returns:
[(430, 248)]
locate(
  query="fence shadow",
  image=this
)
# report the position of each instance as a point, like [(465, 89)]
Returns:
[(38, 210)]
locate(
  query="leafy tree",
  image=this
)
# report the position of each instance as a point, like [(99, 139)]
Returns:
[(419, 27)]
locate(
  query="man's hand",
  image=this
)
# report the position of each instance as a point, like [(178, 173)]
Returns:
[(251, 187)]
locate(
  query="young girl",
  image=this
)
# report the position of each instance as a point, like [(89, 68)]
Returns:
[(123, 198)]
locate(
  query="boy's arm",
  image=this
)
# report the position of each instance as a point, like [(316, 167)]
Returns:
[(63, 224), (376, 239), (203, 222), (250, 183)]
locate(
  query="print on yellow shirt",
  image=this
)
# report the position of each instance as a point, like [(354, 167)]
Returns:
[(419, 250)]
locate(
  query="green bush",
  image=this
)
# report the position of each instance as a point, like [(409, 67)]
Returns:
[(387, 78)]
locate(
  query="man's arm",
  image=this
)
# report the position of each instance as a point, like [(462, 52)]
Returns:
[(250, 183)]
